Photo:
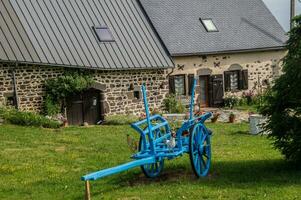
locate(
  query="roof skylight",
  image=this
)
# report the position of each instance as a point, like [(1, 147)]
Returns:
[(209, 25), (103, 34)]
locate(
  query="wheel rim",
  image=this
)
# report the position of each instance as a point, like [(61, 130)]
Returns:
[(200, 151), (152, 170)]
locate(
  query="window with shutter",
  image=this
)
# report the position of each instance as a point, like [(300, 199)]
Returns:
[(236, 80), (234, 77), (232, 80), (179, 81)]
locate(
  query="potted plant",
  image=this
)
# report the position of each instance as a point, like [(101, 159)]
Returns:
[(231, 117), (215, 117)]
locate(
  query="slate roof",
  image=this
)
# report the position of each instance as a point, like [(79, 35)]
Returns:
[(59, 32), (244, 25)]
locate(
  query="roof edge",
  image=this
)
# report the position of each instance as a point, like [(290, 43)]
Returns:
[(83, 67), (155, 31), (229, 51)]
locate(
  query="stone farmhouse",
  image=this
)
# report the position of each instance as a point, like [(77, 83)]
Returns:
[(231, 45), (113, 40)]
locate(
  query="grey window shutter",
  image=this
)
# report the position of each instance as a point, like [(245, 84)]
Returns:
[(227, 81), (190, 83), (172, 85), (243, 80)]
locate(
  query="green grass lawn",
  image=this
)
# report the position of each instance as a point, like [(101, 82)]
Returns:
[(47, 164)]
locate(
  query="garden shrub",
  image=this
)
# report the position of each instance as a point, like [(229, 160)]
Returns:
[(231, 100), (282, 104), (58, 89), (16, 117), (120, 119), (172, 105)]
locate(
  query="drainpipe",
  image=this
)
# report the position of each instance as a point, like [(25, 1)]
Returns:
[(293, 10), (16, 99)]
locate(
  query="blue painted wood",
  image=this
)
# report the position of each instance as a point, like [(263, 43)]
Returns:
[(114, 170), (153, 149)]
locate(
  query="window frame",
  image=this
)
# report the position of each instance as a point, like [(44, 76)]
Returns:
[(172, 81), (184, 84), (237, 73), (240, 84), (206, 28), (95, 28)]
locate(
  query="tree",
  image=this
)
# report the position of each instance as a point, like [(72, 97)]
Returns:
[(282, 103)]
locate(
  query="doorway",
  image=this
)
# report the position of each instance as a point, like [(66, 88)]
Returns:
[(85, 107), (211, 90), (204, 91)]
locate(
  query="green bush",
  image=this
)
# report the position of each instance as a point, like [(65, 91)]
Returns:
[(172, 105), (282, 104), (231, 100), (120, 119), (16, 117), (60, 88), (51, 108)]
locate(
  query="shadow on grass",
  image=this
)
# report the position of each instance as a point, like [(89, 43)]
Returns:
[(241, 133), (271, 173)]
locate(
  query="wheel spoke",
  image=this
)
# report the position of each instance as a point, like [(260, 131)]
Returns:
[(198, 162), (204, 163), (156, 167), (196, 158)]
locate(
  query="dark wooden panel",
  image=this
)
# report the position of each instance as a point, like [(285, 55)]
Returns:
[(75, 110), (216, 90), (91, 106), (204, 91)]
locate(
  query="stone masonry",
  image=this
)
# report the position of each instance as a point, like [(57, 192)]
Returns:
[(263, 67), (118, 86)]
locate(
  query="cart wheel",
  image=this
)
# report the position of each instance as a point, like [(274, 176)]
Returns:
[(200, 150), (155, 169)]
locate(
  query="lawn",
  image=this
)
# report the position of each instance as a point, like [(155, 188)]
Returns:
[(46, 164)]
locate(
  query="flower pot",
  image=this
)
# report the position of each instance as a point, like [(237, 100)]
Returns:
[(214, 119), (232, 118)]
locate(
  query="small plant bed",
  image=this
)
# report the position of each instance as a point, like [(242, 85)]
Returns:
[(248, 102), (46, 164), (13, 116)]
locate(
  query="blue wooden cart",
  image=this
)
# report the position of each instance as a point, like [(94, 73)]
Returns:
[(158, 142)]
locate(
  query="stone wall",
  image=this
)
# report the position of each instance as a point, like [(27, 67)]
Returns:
[(262, 66), (30, 84), (118, 87)]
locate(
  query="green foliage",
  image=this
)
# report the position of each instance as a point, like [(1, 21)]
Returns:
[(47, 164), (51, 107), (120, 119), (58, 89), (231, 100), (282, 103), (247, 102), (14, 116), (172, 105)]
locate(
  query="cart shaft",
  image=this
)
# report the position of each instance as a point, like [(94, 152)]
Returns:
[(114, 170)]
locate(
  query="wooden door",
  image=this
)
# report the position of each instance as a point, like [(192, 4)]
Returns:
[(91, 99), (216, 90), (85, 107), (204, 91), (75, 110)]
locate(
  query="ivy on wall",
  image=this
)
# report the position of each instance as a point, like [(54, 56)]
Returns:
[(60, 88)]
